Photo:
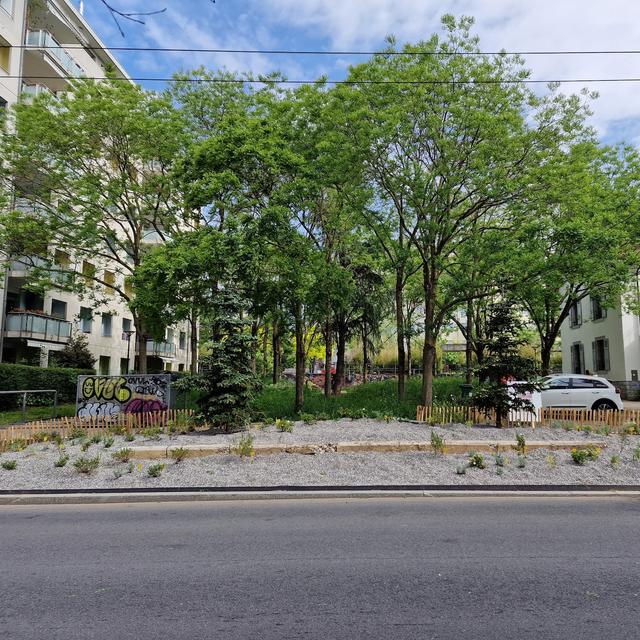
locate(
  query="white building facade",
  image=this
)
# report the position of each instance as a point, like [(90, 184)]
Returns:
[(604, 342), (33, 59)]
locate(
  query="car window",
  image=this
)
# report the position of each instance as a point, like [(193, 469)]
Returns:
[(557, 383), (600, 385), (583, 383)]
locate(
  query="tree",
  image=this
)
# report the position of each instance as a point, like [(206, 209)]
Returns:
[(75, 354), (504, 364), (96, 166)]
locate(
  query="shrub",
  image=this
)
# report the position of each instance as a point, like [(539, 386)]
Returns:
[(582, 456), (76, 354), (437, 443), (476, 460), (108, 441), (9, 465), (308, 418), (41, 436), (155, 470), (122, 455), (86, 465), (179, 454), (14, 377), (61, 461), (18, 444), (615, 461), (631, 429), (153, 433), (96, 439), (521, 444), (284, 425), (244, 447), (77, 433), (130, 437)]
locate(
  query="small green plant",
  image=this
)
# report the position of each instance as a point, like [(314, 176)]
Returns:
[(153, 433), (476, 460), (636, 453), (118, 430), (499, 471), (500, 460), (122, 455), (85, 446), (308, 418), (587, 428), (522, 462), (77, 433), (130, 437), (244, 447), (18, 444), (568, 426), (42, 436), (96, 439), (604, 430), (155, 470), (130, 468), (631, 429), (461, 469), (179, 454), (521, 444), (61, 461), (284, 425), (615, 461), (582, 456), (9, 465), (437, 443), (108, 441), (552, 461), (86, 465), (118, 473)]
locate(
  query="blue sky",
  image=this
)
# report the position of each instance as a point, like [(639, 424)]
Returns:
[(363, 24)]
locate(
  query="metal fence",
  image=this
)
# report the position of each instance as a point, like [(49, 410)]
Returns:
[(24, 395)]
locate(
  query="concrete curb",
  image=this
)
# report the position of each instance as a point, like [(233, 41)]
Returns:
[(223, 494), (151, 452)]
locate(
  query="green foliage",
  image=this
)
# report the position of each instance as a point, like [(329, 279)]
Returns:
[(521, 444), (284, 425), (522, 462), (75, 354), (155, 470), (130, 437), (87, 465), (179, 454), (244, 447), (476, 460), (615, 461), (9, 465), (84, 447), (437, 443), (153, 433), (16, 377), (500, 460), (631, 429), (122, 455), (636, 453), (18, 444), (582, 456), (552, 461), (108, 441), (61, 461)]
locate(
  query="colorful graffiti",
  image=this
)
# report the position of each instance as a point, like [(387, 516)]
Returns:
[(111, 395)]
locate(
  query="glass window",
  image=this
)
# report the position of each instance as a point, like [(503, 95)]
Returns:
[(597, 384), (600, 348), (598, 312), (582, 383), (86, 319), (557, 383), (59, 309), (109, 279), (183, 340), (575, 314), (106, 325), (104, 365), (126, 328)]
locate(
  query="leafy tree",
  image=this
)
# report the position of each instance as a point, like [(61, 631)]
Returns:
[(75, 354), (503, 364)]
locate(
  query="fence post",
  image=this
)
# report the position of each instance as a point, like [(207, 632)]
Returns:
[(24, 407)]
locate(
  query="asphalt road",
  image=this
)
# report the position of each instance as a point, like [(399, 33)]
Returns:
[(389, 568)]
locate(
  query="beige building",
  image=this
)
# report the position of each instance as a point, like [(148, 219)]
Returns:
[(44, 45)]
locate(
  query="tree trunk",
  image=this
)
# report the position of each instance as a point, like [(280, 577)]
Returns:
[(265, 342), (328, 338), (409, 356), (546, 347), (468, 351), (254, 349), (429, 350), (399, 295), (299, 399), (365, 354), (339, 379), (193, 339), (277, 363), (141, 340)]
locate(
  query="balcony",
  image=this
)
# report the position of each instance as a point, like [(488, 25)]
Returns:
[(27, 324), (44, 41), (160, 349)]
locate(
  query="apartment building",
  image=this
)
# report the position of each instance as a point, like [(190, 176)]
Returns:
[(44, 46), (604, 342)]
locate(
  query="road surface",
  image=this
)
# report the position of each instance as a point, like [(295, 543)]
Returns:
[(494, 568)]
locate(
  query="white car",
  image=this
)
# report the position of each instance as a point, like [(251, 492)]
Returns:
[(578, 391)]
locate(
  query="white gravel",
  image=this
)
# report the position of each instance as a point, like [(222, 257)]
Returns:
[(35, 469)]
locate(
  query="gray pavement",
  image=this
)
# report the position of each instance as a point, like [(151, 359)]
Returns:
[(377, 568)]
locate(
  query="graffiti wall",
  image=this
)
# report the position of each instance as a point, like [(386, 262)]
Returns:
[(110, 395)]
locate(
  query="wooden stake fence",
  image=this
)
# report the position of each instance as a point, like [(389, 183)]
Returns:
[(577, 419)]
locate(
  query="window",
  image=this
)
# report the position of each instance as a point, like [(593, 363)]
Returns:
[(126, 328), (88, 271), (104, 365), (557, 383), (168, 366), (183, 340), (86, 319), (577, 357), (59, 309), (598, 312), (124, 366), (181, 367), (61, 259), (170, 335), (109, 278), (5, 46), (600, 348), (582, 383), (575, 314), (106, 325), (128, 287)]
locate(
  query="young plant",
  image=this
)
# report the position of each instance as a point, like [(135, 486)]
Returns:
[(500, 460), (582, 456), (61, 461), (77, 433), (153, 433), (84, 447), (521, 444), (283, 425), (179, 454), (308, 418), (522, 462), (437, 443), (9, 465), (615, 461), (86, 465), (636, 453), (461, 469), (244, 447), (155, 470), (552, 461), (17, 445), (108, 441), (122, 455), (96, 439), (130, 437), (476, 460)]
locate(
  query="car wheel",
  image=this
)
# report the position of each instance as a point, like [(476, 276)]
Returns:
[(604, 405)]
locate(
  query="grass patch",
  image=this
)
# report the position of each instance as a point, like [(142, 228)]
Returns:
[(36, 413), (374, 399)]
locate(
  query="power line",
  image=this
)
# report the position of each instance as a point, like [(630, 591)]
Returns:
[(268, 81), (318, 52)]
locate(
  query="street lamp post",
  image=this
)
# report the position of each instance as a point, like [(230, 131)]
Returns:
[(128, 334)]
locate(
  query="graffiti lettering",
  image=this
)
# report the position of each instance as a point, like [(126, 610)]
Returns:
[(103, 388)]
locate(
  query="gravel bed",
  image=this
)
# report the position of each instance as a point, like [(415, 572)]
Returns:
[(35, 469)]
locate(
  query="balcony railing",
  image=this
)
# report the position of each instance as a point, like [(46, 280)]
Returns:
[(44, 40), (36, 326), (160, 349), (31, 91)]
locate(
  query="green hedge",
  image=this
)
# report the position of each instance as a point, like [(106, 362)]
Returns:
[(15, 377)]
